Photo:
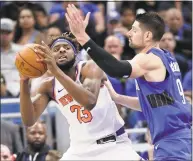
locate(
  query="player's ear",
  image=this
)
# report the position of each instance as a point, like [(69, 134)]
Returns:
[(148, 35)]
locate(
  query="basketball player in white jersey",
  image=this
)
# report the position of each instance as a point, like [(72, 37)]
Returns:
[(96, 129)]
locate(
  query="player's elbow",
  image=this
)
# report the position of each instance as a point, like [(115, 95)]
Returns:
[(115, 73), (91, 104), (28, 123), (120, 70)]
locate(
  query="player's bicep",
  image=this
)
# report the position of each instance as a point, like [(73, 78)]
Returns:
[(137, 70), (144, 63), (92, 85), (93, 79)]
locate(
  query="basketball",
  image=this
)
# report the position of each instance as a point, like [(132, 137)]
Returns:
[(26, 62)]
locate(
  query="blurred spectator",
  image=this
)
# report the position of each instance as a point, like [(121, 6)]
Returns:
[(182, 31), (146, 6), (41, 17), (175, 23), (37, 149), (168, 42), (113, 22), (8, 52), (127, 17), (4, 91), (6, 154), (25, 31), (96, 15), (113, 46), (59, 9), (53, 155), (51, 33), (11, 9), (64, 27), (10, 136)]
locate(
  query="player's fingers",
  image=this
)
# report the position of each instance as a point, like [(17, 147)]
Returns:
[(40, 48), (68, 18), (39, 59), (69, 11), (45, 45), (42, 60), (40, 52), (72, 13), (86, 20), (77, 12)]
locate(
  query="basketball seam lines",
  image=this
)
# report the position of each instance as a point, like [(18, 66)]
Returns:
[(38, 57), (29, 64)]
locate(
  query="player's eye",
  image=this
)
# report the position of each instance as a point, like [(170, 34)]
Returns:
[(67, 47), (56, 49)]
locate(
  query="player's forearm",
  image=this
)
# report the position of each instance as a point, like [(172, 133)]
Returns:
[(26, 106), (127, 101), (81, 95), (104, 60)]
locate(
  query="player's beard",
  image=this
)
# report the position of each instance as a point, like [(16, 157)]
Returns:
[(68, 65), (36, 146)]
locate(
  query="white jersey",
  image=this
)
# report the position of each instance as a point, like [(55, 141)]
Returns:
[(88, 126)]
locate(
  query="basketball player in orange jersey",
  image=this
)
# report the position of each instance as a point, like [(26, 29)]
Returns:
[(96, 129)]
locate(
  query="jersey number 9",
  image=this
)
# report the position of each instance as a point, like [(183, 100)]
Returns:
[(180, 89)]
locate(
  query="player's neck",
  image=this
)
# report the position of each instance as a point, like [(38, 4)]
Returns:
[(147, 48), (71, 73)]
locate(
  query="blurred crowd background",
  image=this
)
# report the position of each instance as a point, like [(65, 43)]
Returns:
[(32, 22)]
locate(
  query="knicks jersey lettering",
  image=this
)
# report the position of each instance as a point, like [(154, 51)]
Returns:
[(83, 115), (66, 99)]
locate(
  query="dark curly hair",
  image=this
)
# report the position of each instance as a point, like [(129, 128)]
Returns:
[(68, 36)]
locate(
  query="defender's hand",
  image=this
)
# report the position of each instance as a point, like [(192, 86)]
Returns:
[(111, 90), (76, 23)]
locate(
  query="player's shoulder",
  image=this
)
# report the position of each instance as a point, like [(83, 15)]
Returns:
[(91, 68), (89, 65)]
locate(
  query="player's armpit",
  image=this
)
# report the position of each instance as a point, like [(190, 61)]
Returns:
[(143, 63)]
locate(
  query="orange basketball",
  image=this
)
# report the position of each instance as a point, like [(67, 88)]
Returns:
[(26, 62)]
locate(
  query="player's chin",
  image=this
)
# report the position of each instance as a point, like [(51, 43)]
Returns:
[(62, 62)]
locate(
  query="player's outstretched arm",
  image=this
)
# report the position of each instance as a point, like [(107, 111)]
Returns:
[(127, 101), (31, 108), (103, 59), (110, 65)]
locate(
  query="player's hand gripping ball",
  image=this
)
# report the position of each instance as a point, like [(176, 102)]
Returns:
[(27, 64)]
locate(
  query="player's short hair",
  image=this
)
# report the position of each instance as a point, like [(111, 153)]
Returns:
[(153, 22), (67, 36)]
